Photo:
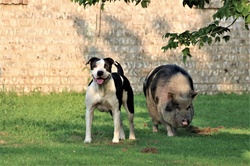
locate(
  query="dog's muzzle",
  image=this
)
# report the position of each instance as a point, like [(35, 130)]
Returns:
[(100, 80)]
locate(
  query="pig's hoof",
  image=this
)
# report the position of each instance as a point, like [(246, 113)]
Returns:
[(170, 134), (155, 129)]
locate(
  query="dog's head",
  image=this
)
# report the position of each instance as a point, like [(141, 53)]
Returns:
[(100, 69)]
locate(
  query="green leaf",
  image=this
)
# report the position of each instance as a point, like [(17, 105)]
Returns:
[(239, 8), (226, 38), (184, 59), (205, 39), (216, 22), (201, 44), (173, 45), (80, 2), (166, 35), (165, 48), (102, 6), (246, 26), (235, 2), (217, 39), (137, 2), (144, 3), (186, 52), (209, 40), (247, 19), (245, 12)]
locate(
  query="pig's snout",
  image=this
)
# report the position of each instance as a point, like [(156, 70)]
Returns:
[(185, 122)]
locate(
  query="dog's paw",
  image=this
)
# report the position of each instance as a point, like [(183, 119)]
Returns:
[(87, 140), (121, 134), (132, 137), (122, 137), (115, 141)]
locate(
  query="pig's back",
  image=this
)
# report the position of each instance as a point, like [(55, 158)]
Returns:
[(168, 76)]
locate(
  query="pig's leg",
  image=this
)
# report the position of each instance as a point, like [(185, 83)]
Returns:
[(155, 127), (169, 128)]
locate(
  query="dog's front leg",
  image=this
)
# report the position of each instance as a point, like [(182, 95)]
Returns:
[(89, 118), (117, 124)]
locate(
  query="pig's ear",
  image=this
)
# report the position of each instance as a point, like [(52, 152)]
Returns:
[(193, 94), (171, 95)]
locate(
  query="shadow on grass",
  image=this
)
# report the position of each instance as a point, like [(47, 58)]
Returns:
[(48, 138), (64, 144), (218, 146)]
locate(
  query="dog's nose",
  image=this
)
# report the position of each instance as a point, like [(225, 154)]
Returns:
[(99, 73)]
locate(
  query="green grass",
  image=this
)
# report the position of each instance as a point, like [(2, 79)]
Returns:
[(38, 129)]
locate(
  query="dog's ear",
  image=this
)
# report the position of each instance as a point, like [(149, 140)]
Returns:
[(110, 60), (108, 64), (91, 60)]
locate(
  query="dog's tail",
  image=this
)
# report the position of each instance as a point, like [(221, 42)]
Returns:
[(119, 68)]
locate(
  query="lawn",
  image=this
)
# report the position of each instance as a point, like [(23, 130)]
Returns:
[(38, 129)]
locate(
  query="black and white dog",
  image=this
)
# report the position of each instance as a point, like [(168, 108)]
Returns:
[(107, 92)]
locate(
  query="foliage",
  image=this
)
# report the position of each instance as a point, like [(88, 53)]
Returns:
[(38, 129), (200, 37), (211, 33), (205, 35), (85, 3), (198, 3)]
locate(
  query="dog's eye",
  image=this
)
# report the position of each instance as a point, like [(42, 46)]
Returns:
[(93, 66), (106, 66)]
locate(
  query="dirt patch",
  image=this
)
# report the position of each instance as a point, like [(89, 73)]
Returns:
[(2, 142), (117, 143), (3, 133), (76, 138), (203, 131), (149, 150)]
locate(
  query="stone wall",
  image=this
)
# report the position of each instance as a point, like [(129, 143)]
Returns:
[(44, 45)]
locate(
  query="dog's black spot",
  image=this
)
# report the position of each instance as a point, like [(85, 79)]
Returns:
[(119, 68), (127, 87), (108, 64), (92, 62), (120, 86)]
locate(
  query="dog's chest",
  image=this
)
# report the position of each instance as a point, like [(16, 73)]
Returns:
[(106, 102), (103, 98)]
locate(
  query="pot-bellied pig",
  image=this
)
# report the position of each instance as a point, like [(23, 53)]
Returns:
[(169, 94)]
